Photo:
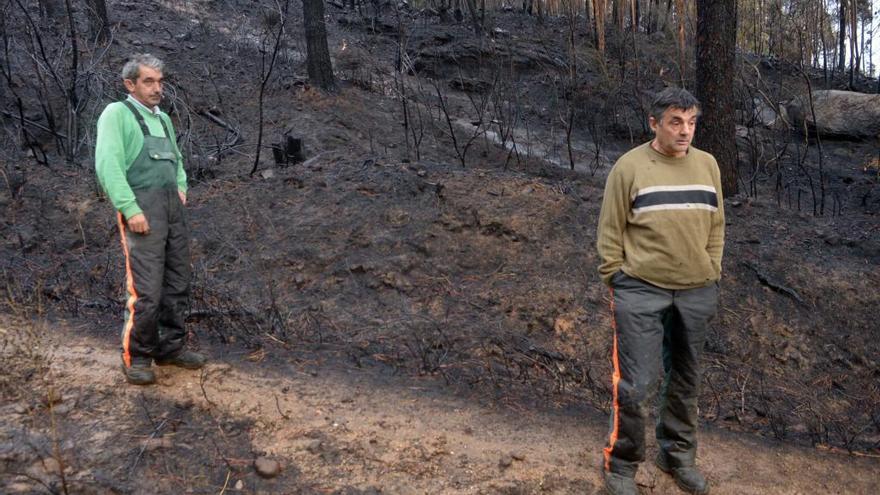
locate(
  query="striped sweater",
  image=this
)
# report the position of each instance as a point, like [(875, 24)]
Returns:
[(662, 219)]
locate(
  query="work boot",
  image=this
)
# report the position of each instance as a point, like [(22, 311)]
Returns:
[(190, 360), (688, 478), (618, 484), (139, 373)]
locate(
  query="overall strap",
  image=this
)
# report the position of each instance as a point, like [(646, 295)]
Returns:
[(164, 128), (140, 119)]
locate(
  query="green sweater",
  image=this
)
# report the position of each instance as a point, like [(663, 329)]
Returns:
[(118, 143), (662, 219)]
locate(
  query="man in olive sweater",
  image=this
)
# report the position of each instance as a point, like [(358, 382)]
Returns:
[(141, 170), (660, 239)]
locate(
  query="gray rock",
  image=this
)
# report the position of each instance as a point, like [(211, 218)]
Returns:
[(267, 468), (839, 114), (770, 117)]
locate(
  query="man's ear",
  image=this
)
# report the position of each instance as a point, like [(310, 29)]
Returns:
[(652, 122), (129, 84)]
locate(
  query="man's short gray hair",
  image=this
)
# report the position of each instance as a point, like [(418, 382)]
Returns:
[(132, 68), (673, 98)]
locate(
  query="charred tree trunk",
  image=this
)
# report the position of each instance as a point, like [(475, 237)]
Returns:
[(841, 50), (475, 17), (680, 12), (863, 48), (599, 16), (99, 20), (588, 16), (266, 72), (634, 14), (317, 54), (776, 34), (665, 21), (853, 44), (716, 56), (618, 14), (823, 44)]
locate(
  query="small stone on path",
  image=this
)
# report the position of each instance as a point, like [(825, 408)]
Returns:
[(267, 468)]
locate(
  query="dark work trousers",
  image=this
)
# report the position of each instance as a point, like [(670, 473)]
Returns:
[(157, 264), (652, 324)]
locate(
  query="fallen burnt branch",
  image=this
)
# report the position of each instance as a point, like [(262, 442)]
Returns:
[(26, 121), (526, 347), (210, 313), (234, 132), (773, 284)]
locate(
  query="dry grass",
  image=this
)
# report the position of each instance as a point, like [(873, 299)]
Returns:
[(24, 356)]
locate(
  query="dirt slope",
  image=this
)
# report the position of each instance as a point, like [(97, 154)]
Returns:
[(339, 429), (431, 311)]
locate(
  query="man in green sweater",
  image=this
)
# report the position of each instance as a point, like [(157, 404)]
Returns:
[(141, 170), (660, 240)]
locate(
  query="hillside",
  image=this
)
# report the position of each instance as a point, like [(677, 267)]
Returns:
[(385, 318)]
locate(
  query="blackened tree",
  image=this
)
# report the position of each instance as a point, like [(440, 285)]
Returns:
[(716, 57), (99, 20), (317, 54)]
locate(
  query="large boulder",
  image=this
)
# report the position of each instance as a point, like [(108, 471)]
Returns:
[(843, 114)]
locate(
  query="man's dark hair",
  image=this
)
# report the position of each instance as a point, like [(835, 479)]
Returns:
[(673, 98)]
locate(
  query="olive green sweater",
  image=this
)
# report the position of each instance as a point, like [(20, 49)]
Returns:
[(118, 143), (662, 219)]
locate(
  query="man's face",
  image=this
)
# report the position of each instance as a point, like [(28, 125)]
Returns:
[(147, 88), (675, 131)]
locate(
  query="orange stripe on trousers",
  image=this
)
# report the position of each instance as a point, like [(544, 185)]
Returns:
[(615, 380), (132, 295)]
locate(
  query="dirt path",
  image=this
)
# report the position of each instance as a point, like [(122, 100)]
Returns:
[(336, 429)]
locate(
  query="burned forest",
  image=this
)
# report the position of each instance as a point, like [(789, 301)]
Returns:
[(392, 211)]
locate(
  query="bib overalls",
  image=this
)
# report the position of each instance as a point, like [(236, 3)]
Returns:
[(157, 264)]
